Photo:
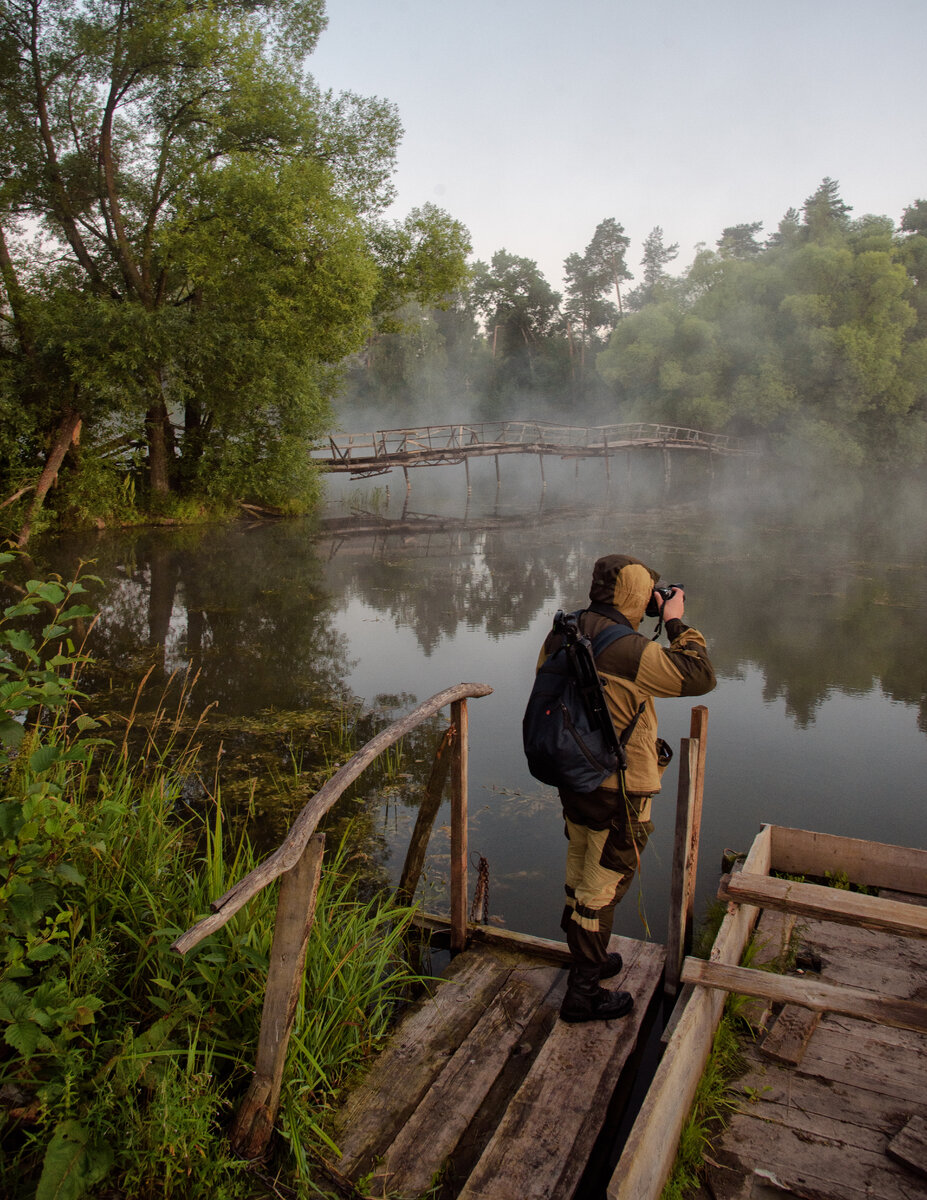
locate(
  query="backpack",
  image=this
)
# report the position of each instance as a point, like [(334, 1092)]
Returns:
[(567, 731)]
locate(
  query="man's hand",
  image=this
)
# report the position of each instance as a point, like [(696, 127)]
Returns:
[(675, 606)]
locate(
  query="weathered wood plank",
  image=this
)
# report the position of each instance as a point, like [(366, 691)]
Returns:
[(855, 1055), (845, 1111), (827, 904), (434, 1130), (424, 1041), (809, 992), (789, 1034), (872, 864), (909, 1146), (650, 1148), (688, 813), (807, 1165), (881, 962), (254, 1121), (540, 1148)]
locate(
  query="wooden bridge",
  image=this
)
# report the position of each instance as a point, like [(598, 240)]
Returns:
[(377, 453)]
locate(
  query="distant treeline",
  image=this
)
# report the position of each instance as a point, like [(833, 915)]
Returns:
[(815, 338)]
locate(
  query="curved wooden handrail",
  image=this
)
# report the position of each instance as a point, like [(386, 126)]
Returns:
[(288, 853)]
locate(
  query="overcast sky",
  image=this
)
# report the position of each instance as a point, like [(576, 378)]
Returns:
[(532, 120)]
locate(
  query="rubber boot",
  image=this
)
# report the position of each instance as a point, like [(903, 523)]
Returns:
[(586, 1001)]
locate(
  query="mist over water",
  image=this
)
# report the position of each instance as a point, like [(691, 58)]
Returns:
[(811, 592)]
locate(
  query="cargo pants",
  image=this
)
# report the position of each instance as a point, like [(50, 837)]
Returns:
[(600, 867)]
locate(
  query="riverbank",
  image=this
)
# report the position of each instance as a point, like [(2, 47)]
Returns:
[(119, 1061)]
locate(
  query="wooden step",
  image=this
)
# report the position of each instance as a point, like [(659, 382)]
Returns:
[(425, 1040), (433, 1132), (542, 1144)]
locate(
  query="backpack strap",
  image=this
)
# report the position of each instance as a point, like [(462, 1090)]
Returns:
[(600, 644)]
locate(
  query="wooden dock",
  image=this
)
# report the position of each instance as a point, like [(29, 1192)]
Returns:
[(833, 1103), (482, 1089), (834, 1106)]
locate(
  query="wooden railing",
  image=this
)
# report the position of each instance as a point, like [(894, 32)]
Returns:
[(466, 438), (298, 863)]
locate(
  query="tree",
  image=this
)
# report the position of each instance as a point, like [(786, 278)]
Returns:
[(655, 277), (825, 214), (208, 224), (589, 276), (739, 241)]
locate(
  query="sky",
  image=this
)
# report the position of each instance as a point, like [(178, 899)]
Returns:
[(530, 121)]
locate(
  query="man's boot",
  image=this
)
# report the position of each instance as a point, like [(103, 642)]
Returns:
[(586, 1001), (611, 966)]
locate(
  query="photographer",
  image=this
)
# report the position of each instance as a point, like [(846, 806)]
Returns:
[(609, 827)]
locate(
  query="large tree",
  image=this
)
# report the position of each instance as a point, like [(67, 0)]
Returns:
[(187, 231)]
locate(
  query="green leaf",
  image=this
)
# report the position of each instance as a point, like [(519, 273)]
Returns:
[(19, 640), (86, 722), (53, 593), (75, 611), (22, 1036), (69, 872), (42, 759), (23, 609), (11, 732), (73, 1163), (53, 631)]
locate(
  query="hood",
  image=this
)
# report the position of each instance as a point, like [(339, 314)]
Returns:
[(625, 583)]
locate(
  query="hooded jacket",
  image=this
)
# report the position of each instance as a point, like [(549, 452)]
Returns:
[(635, 669)]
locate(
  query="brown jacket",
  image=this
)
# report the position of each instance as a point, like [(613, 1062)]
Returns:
[(635, 669)]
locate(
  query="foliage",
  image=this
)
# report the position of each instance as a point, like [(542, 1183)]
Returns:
[(818, 339), (118, 1059), (209, 239)]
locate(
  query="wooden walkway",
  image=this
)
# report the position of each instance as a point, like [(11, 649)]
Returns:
[(376, 453), (833, 1107), (483, 1089)]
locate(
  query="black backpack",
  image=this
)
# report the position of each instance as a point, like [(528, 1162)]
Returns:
[(567, 731)]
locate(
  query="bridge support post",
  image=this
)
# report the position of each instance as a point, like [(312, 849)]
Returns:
[(541, 463), (498, 476), (405, 471), (467, 470)]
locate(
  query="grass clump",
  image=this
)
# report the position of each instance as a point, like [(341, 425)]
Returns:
[(120, 1062)]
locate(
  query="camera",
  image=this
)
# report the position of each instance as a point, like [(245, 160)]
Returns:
[(665, 590)]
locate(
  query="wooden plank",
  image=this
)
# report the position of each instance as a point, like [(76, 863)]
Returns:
[(540, 1147), (803, 1163), (424, 1040), (459, 827), (299, 887), (825, 903), (909, 1146), (681, 884), (808, 992), (546, 948), (886, 963), (869, 1058), (773, 938), (857, 1116), (790, 1033), (872, 864), (650, 1148), (436, 1127)]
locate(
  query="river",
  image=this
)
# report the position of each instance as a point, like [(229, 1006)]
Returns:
[(813, 600)]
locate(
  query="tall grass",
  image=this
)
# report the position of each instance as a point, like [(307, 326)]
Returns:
[(121, 1061)]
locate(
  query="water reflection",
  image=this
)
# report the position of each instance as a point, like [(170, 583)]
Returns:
[(815, 616)]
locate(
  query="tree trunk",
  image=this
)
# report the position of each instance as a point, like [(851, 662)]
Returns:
[(68, 434), (157, 424)]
